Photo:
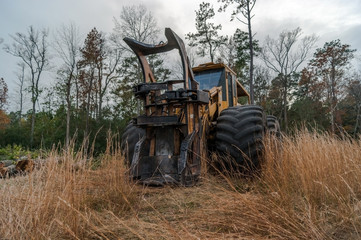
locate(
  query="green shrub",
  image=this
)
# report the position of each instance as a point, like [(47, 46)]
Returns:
[(13, 152)]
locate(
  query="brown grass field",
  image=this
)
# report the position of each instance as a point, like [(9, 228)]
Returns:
[(310, 188)]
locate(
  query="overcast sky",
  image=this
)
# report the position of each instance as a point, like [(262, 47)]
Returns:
[(329, 19)]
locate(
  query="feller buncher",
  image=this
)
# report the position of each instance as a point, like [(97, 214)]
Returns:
[(183, 118)]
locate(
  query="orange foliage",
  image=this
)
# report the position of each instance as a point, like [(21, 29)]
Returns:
[(4, 119)]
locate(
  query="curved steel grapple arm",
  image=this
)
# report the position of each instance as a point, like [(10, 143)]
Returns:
[(173, 42)]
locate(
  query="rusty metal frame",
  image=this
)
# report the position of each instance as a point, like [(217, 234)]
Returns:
[(169, 152), (173, 42)]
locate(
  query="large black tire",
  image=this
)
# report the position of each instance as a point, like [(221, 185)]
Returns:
[(273, 126), (130, 137), (239, 133)]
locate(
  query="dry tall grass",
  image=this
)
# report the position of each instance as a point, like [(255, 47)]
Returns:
[(309, 189), (59, 200)]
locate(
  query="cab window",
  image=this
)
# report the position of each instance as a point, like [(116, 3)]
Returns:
[(209, 78)]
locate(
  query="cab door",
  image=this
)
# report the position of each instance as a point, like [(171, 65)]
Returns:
[(230, 89)]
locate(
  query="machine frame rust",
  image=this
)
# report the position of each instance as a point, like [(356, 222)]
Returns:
[(172, 121), (180, 125)]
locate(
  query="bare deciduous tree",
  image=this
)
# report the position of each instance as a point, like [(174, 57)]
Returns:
[(20, 83), (354, 89), (32, 49), (284, 56), (3, 93), (138, 23), (108, 74), (134, 22), (262, 79), (67, 43)]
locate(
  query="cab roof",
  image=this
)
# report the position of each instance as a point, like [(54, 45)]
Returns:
[(210, 65), (241, 91)]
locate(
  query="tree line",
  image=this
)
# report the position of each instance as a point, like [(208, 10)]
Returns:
[(92, 94), (318, 90)]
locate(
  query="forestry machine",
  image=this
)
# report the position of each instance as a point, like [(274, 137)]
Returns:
[(184, 119)]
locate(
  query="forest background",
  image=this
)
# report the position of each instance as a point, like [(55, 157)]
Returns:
[(74, 86)]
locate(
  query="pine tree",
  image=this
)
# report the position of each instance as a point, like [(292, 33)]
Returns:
[(90, 65), (328, 65), (206, 39)]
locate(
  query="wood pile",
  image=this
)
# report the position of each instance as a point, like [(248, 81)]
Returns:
[(9, 168)]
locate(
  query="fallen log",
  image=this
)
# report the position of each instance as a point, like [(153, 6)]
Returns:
[(9, 168)]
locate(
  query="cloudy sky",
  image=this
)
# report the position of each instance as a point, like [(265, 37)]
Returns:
[(329, 19)]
